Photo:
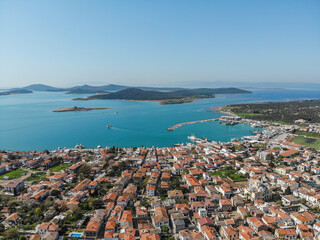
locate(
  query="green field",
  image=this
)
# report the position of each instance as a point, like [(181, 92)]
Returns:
[(231, 173), (310, 142), (308, 134), (60, 167), (36, 177), (14, 174)]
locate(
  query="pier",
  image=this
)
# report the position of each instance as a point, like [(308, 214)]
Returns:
[(174, 127)]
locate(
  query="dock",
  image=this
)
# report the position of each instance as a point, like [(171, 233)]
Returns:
[(174, 127)]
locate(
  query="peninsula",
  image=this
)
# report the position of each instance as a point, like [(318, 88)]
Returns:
[(77, 109), (281, 112)]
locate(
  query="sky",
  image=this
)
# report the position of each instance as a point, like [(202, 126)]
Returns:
[(159, 42)]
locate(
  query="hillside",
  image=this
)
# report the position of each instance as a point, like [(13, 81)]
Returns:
[(41, 87), (172, 97), (286, 112), (137, 94)]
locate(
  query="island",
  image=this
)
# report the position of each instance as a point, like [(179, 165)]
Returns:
[(165, 97), (77, 109), (13, 92)]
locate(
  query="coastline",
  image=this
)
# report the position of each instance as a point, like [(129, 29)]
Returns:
[(219, 110), (77, 109), (157, 101)]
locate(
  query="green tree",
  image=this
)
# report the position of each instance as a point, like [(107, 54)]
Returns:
[(11, 233), (94, 203), (164, 229), (84, 171), (55, 192), (287, 191)]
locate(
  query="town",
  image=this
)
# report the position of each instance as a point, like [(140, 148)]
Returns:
[(259, 187)]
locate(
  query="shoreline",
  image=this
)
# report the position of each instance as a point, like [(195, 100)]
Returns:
[(219, 110), (77, 109), (157, 101)]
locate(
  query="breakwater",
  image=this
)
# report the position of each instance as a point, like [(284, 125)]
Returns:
[(193, 122)]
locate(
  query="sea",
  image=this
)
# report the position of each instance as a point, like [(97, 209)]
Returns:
[(27, 121)]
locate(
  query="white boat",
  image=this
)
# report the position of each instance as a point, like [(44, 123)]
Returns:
[(109, 126), (192, 137)]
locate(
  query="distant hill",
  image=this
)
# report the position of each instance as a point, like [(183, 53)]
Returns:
[(85, 89), (17, 91), (136, 94), (88, 89), (210, 91), (187, 95), (41, 87)]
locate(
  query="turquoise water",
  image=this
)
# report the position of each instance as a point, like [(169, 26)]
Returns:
[(28, 123)]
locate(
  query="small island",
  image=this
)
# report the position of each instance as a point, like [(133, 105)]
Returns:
[(76, 109), (14, 92)]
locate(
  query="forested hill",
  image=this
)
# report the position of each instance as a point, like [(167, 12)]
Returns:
[(139, 94), (286, 112)]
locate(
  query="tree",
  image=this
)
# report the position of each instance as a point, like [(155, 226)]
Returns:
[(11, 233), (287, 191), (55, 192), (94, 203), (38, 211), (164, 229), (84, 172), (185, 171), (271, 164)]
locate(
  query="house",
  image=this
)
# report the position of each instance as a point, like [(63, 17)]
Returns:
[(256, 224), (229, 233), (175, 194), (205, 221), (160, 217), (123, 200), (289, 200), (286, 233), (209, 233), (110, 226), (47, 227), (190, 235), (178, 222), (126, 219), (225, 204), (177, 168), (151, 191), (302, 218), (95, 223), (51, 236), (141, 212), (12, 218), (202, 212), (14, 187)]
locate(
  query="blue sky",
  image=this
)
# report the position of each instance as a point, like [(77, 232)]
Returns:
[(65, 43)]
